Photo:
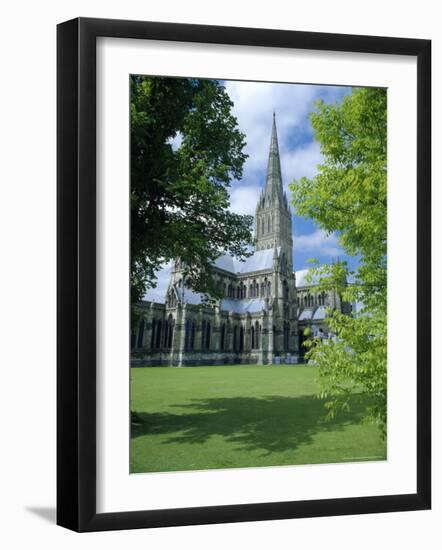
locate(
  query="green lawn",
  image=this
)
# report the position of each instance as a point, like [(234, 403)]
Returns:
[(197, 418)]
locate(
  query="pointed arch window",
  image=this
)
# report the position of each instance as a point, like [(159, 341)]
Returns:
[(208, 335), (203, 333), (168, 332), (132, 339), (140, 334), (258, 335), (152, 336), (192, 336), (223, 337), (286, 336), (191, 343), (188, 334), (241, 339), (158, 334)]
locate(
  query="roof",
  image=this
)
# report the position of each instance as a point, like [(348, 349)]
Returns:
[(258, 261), (319, 313), (254, 305), (301, 278), (305, 314)]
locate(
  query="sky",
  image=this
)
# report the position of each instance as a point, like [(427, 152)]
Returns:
[(254, 104)]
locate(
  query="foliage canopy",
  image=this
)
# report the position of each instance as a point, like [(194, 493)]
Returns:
[(186, 149), (349, 196)]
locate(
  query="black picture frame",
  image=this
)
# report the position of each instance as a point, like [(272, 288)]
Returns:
[(76, 274)]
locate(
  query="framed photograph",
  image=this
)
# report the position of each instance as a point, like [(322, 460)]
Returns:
[(243, 274)]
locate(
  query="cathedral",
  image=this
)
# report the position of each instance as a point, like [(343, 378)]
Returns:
[(266, 305)]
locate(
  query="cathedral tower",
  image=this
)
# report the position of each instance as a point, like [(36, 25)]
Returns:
[(273, 220)]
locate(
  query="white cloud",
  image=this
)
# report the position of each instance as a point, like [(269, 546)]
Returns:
[(243, 198), (302, 161), (158, 294), (318, 243), (254, 103)]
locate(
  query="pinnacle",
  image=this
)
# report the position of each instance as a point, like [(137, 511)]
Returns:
[(274, 179)]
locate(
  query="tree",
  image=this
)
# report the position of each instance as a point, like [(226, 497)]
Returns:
[(179, 194), (349, 196)]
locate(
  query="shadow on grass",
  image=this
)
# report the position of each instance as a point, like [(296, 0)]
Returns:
[(269, 424)]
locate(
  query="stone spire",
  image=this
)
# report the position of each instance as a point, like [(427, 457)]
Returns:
[(273, 221), (274, 179)]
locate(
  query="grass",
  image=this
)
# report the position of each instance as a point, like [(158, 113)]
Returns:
[(199, 418)]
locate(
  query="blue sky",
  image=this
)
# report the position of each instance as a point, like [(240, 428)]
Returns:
[(254, 103)]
